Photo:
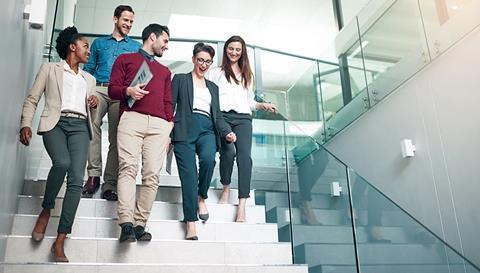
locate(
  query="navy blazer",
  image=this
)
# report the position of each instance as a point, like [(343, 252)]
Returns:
[(182, 102)]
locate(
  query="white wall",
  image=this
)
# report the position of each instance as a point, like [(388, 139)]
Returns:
[(21, 57), (438, 110)]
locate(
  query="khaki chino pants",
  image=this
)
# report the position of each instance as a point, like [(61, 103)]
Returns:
[(139, 136), (111, 107)]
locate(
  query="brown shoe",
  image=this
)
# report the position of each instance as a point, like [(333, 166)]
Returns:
[(91, 186)]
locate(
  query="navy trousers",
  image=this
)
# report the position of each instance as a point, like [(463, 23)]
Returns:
[(200, 141)]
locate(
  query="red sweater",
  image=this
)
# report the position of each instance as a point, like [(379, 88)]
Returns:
[(158, 102)]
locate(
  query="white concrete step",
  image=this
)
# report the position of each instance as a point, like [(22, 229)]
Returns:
[(21, 249), (160, 211), (149, 268), (166, 193), (391, 268), (160, 229), (373, 254)]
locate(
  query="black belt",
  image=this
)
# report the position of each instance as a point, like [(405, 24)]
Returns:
[(104, 84), (72, 115), (200, 111)]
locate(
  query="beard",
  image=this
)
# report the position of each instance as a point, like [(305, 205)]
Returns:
[(122, 31)]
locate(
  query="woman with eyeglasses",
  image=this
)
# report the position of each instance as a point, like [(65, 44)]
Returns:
[(197, 130), (66, 129), (235, 83)]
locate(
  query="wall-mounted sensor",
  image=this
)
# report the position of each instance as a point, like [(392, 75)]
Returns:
[(408, 149), (335, 188)]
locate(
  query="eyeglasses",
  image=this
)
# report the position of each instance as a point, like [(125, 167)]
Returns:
[(201, 61)]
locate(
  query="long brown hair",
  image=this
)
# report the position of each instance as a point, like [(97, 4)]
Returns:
[(243, 62)]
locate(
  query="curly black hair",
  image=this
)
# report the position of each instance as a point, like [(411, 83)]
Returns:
[(66, 37)]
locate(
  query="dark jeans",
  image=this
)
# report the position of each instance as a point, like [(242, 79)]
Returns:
[(240, 151), (67, 145), (201, 141)]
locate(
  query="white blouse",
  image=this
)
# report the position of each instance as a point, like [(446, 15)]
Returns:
[(233, 96), (74, 91), (202, 98)]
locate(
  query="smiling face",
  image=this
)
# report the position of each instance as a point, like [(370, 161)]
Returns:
[(201, 63), (160, 43), (124, 23), (234, 51), (81, 50)]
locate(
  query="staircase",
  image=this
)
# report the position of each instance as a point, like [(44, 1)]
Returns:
[(224, 246)]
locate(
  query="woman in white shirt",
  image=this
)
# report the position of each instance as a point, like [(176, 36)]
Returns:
[(235, 83), (66, 129), (199, 126)]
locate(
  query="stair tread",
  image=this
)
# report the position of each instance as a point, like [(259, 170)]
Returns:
[(91, 227), (157, 251)]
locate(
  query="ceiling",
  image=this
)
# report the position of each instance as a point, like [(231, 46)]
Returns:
[(303, 27)]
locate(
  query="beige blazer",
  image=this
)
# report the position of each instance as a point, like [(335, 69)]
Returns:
[(49, 80)]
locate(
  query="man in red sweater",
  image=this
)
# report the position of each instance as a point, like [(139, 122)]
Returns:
[(143, 130)]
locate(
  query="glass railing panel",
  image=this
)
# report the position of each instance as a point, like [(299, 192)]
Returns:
[(392, 48), (343, 81), (347, 114), (389, 240), (447, 21), (322, 234), (295, 78)]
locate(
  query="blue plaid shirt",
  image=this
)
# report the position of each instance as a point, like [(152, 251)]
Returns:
[(104, 52)]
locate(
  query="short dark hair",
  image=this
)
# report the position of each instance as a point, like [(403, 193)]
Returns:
[(154, 28), (118, 10), (65, 38), (201, 47)]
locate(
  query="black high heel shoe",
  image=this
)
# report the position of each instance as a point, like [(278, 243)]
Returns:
[(193, 238), (204, 217)]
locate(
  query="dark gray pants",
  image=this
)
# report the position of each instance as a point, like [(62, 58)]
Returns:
[(240, 151), (67, 145), (200, 141)]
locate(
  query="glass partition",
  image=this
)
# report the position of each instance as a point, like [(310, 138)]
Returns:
[(390, 240), (290, 82), (344, 87), (322, 233), (393, 48), (447, 21)]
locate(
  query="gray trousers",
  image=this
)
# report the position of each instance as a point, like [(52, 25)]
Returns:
[(240, 151), (67, 146), (105, 105)]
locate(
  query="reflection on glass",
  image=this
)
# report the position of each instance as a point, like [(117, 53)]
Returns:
[(447, 9), (321, 227), (393, 49), (389, 240), (291, 83), (344, 90)]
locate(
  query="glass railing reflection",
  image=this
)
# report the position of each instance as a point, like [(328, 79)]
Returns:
[(390, 240), (333, 231)]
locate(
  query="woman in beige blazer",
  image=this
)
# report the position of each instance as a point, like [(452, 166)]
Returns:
[(65, 126)]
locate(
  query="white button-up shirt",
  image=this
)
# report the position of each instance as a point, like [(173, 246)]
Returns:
[(233, 96), (74, 90)]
